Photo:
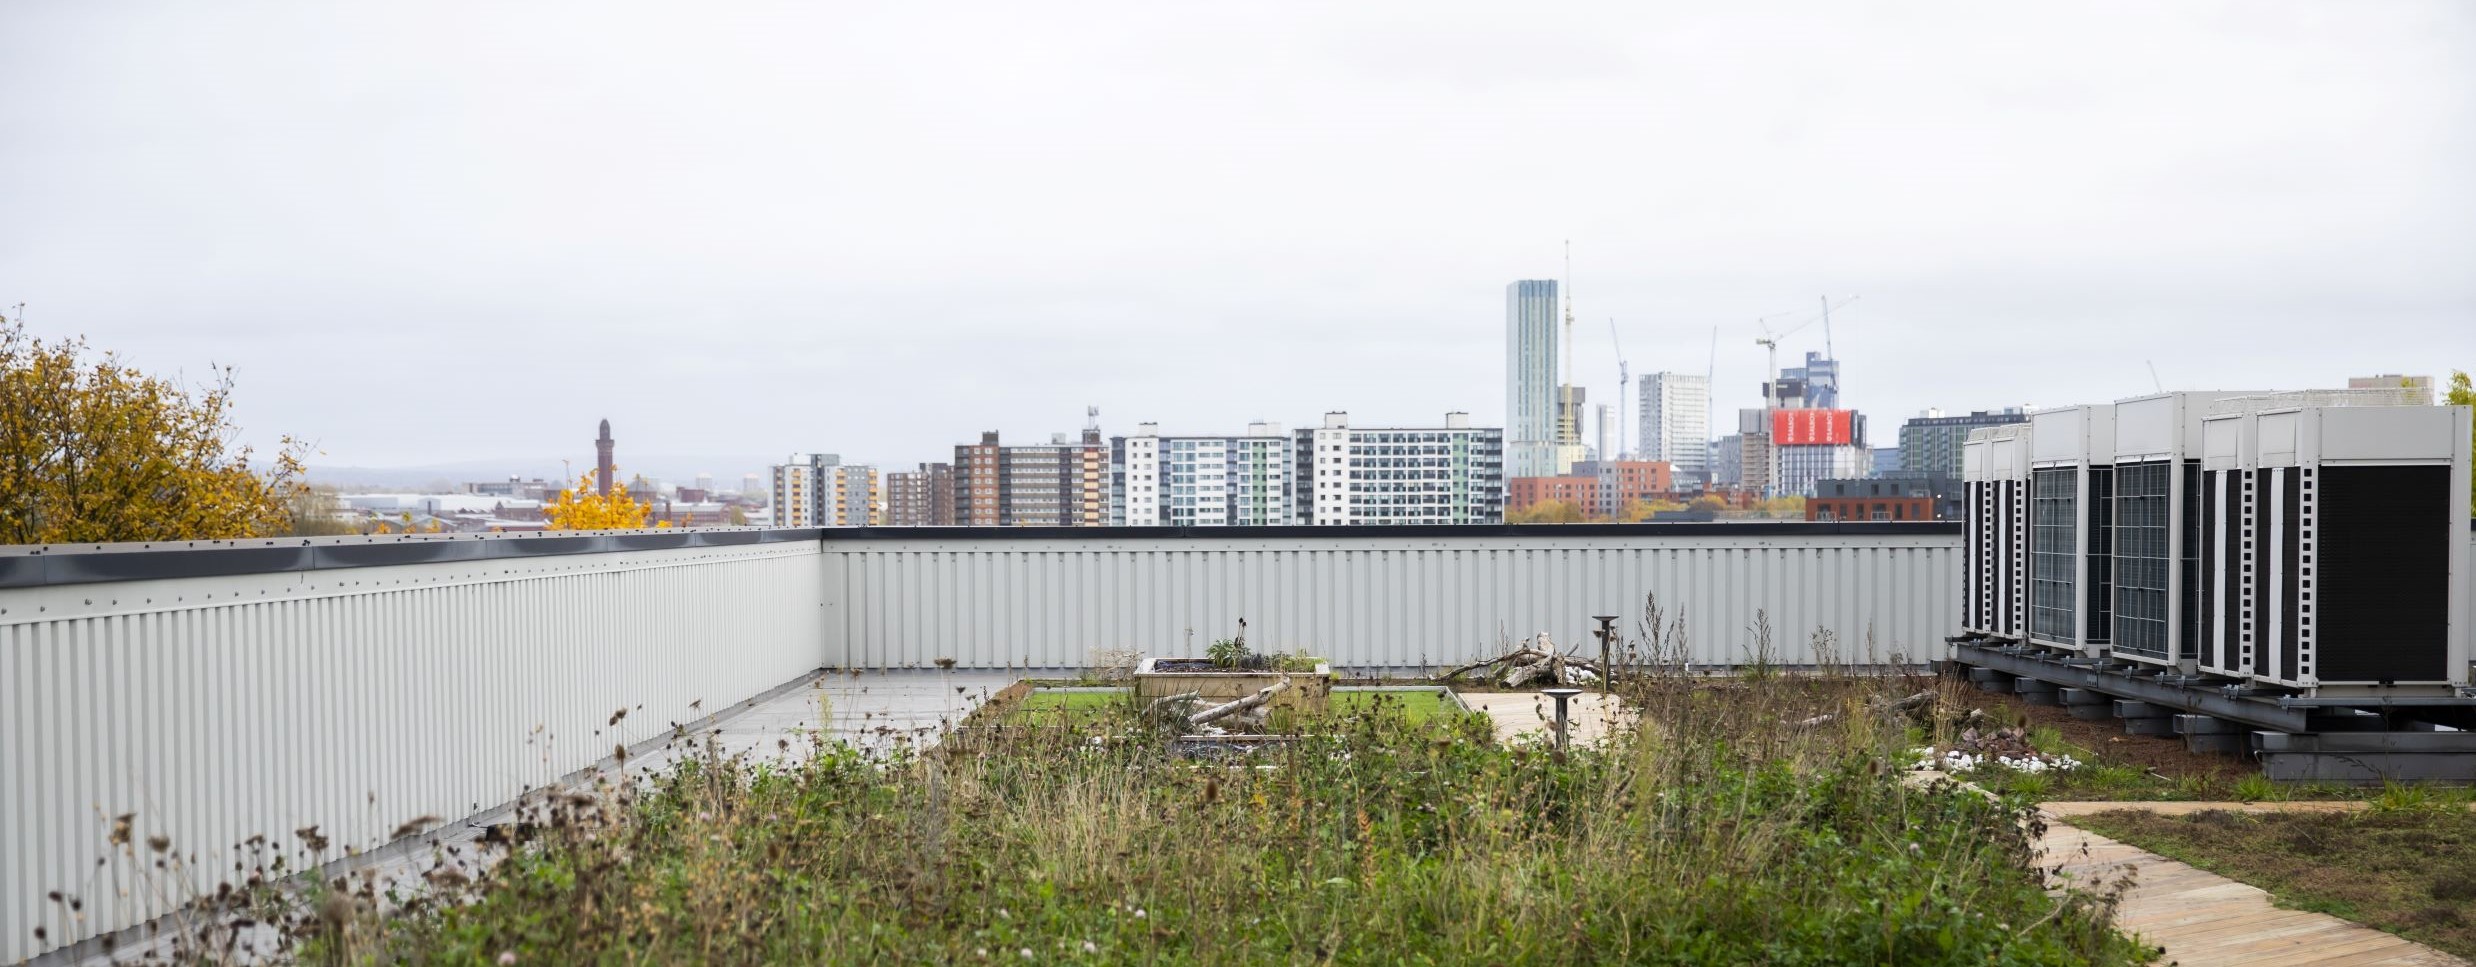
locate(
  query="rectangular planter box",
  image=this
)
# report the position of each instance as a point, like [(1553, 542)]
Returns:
[(1309, 691)]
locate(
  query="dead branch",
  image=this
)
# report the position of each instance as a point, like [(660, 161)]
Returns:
[(1226, 709)]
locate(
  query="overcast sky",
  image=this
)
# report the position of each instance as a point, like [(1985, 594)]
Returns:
[(433, 232)]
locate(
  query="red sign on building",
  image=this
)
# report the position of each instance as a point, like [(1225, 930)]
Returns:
[(1813, 427)]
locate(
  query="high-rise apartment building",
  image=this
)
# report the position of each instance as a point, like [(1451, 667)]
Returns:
[(819, 490), (1530, 378), (920, 498), (1818, 382), (1808, 445), (1058, 484), (797, 482), (1755, 471), (1450, 474), (851, 497), (1930, 442), (1572, 404), (1606, 425), (1676, 423), (1203, 481), (1727, 461)]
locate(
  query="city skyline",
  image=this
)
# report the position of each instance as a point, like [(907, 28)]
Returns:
[(448, 249)]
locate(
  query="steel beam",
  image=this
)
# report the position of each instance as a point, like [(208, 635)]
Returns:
[(2368, 768), (2205, 701)]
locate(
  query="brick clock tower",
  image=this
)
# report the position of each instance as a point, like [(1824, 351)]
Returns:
[(602, 469)]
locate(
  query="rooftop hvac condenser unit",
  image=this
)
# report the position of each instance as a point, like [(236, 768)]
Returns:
[(1994, 472), (2157, 533), (2356, 543), (2071, 528)]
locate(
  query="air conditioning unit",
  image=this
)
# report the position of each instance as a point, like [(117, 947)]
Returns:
[(1994, 473), (2071, 597), (2158, 528), (2339, 533)]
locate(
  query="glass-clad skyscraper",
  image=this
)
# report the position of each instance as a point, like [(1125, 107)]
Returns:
[(1530, 378)]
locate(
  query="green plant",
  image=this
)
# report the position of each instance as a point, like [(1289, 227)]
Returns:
[(2113, 778), (2028, 785), (1229, 653), (2403, 797), (2258, 788)]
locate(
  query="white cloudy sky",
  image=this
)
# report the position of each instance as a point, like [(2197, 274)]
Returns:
[(431, 232)]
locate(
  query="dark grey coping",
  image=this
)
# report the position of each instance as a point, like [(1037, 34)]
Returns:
[(63, 564), (35, 565), (1698, 529)]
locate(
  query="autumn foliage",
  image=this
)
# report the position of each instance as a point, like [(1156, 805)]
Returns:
[(93, 451), (581, 508)]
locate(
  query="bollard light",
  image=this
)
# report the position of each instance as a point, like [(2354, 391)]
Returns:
[(1561, 695), (1607, 644)]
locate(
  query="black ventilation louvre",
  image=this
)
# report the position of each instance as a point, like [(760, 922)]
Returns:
[(2100, 593), (1980, 575), (2290, 540), (2189, 594), (2226, 614), (2007, 580), (2381, 573), (2209, 572)]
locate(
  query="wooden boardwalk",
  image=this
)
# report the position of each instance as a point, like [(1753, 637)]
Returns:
[(2202, 918)]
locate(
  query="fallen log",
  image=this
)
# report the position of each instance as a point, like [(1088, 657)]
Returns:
[(1227, 709)]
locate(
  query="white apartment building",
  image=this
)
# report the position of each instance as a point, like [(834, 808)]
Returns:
[(1797, 468), (1452, 474), (1203, 481), (1676, 422), (818, 490)]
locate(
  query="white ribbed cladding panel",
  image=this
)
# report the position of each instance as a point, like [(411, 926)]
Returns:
[(353, 698), (1372, 601)]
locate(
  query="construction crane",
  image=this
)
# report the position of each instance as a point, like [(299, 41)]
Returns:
[(1624, 381), (1568, 422), (1770, 341)]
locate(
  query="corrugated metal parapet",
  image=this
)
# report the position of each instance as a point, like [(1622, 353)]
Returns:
[(1369, 598), (225, 692)]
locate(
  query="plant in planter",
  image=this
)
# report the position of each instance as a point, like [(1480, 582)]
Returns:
[(1231, 653), (1229, 671)]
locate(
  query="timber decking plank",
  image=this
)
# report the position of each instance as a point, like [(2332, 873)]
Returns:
[(2202, 919)]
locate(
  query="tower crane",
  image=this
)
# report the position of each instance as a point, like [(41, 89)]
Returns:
[(1624, 381), (1568, 422), (1770, 341)]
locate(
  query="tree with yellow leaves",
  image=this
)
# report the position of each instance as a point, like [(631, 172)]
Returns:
[(580, 508), (1642, 510), (92, 450), (1547, 512)]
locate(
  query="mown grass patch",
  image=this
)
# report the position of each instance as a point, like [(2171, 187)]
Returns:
[(1413, 706), (2410, 871)]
